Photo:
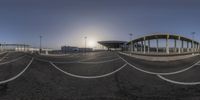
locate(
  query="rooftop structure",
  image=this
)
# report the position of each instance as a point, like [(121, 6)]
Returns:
[(180, 44), (113, 44)]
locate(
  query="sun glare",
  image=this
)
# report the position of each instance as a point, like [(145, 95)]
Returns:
[(91, 43)]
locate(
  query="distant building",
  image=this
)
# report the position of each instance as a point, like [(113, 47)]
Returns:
[(85, 49), (66, 49)]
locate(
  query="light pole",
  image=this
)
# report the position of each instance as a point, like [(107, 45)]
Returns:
[(85, 43), (131, 37), (40, 44)]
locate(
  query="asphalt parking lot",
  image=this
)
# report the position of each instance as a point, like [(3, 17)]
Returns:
[(96, 76)]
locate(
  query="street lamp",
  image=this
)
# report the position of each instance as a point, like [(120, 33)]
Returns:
[(131, 37)]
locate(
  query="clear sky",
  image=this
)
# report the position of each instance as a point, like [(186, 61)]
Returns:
[(63, 22)]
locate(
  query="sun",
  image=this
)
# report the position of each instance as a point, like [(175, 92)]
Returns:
[(91, 43)]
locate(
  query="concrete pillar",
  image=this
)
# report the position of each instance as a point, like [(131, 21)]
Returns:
[(182, 43), (191, 50), (136, 49), (141, 46), (131, 46), (179, 48), (46, 52), (196, 47), (192, 46), (187, 46), (149, 46), (0, 48), (167, 44), (144, 45), (157, 45), (175, 48)]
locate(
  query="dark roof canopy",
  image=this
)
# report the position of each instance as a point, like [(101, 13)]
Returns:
[(112, 44)]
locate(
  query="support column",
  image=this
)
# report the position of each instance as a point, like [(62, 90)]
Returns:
[(131, 46), (136, 49), (149, 46), (141, 46), (157, 45), (187, 46), (144, 45), (192, 45), (195, 47), (182, 43), (175, 48), (0, 47), (167, 44), (179, 48)]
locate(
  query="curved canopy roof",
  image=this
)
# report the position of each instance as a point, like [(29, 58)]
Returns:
[(162, 36)]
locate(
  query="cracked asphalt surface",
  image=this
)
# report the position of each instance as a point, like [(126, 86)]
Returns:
[(41, 81)]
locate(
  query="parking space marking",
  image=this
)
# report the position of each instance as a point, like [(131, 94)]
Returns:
[(155, 73), (87, 77), (177, 82), (98, 62), (4, 56), (19, 74), (12, 60), (3, 52), (79, 61)]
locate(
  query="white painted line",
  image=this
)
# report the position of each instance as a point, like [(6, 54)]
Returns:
[(18, 75), (106, 56), (43, 60), (3, 52), (155, 73), (87, 77), (80, 62), (4, 56), (99, 62), (96, 58), (177, 82), (12, 60), (96, 62)]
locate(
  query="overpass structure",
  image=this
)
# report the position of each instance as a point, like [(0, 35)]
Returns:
[(180, 44)]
